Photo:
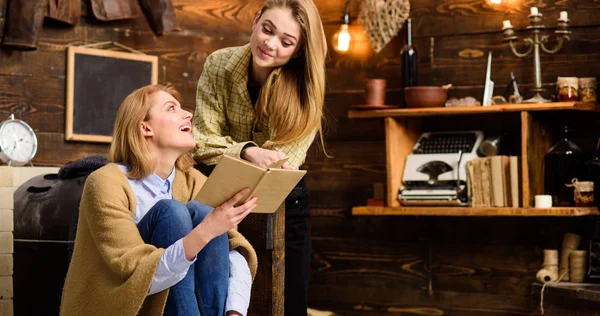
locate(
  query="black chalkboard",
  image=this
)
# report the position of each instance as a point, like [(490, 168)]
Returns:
[(97, 82)]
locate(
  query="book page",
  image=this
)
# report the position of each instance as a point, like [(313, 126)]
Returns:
[(274, 187), (229, 177), (278, 164)]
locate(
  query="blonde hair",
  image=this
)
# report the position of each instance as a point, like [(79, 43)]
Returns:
[(129, 146), (291, 100)]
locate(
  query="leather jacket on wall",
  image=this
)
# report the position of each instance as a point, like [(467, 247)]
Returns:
[(66, 11), (24, 20), (111, 10), (20, 26), (160, 15)]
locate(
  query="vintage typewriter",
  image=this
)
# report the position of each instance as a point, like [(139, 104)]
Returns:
[(435, 172)]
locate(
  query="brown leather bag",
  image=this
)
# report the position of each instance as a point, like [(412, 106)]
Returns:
[(24, 21), (160, 15), (110, 10), (66, 11)]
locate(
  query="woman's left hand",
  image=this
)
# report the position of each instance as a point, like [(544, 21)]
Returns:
[(264, 157)]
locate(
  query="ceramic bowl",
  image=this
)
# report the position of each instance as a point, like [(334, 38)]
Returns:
[(425, 96)]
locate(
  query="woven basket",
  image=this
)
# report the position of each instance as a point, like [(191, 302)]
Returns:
[(382, 20)]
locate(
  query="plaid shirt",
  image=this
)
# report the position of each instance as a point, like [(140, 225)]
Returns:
[(225, 120)]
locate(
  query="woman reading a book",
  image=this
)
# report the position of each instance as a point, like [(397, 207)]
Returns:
[(263, 102), (143, 246)]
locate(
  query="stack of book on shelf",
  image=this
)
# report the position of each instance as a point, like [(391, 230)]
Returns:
[(494, 181)]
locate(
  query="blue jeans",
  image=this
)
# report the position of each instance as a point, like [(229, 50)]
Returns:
[(203, 291)]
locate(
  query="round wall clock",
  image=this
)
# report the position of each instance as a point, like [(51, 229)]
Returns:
[(18, 143)]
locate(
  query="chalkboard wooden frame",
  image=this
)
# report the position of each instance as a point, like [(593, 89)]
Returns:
[(146, 63)]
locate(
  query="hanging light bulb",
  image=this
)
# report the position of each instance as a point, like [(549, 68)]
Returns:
[(342, 38)]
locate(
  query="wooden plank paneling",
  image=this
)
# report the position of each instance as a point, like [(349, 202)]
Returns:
[(53, 150), (234, 17), (462, 59), (354, 164), (39, 100), (383, 261), (447, 17)]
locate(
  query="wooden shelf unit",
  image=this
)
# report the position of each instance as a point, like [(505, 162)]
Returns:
[(474, 211), (465, 110), (403, 128)]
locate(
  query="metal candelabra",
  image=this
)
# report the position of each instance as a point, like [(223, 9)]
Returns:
[(535, 43)]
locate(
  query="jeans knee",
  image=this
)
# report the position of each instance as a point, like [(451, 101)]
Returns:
[(198, 211), (175, 213)]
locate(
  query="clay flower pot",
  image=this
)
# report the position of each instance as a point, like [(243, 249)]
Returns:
[(375, 92)]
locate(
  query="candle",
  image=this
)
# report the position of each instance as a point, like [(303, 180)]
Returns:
[(563, 16), (534, 11), (506, 24)]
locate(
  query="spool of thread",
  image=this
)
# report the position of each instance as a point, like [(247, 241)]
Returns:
[(543, 201), (544, 276), (570, 242), (551, 263), (553, 270), (577, 264), (551, 257)]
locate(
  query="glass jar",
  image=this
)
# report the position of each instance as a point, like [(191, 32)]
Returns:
[(592, 173), (583, 191), (587, 90), (567, 89)]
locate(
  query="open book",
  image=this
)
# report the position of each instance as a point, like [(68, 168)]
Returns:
[(271, 186)]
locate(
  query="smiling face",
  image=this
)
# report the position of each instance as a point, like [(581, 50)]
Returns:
[(168, 127), (275, 39)]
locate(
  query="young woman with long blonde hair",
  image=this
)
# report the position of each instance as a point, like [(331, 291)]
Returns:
[(264, 102), (143, 246)]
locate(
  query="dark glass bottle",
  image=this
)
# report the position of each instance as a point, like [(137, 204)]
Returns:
[(562, 163), (409, 60)]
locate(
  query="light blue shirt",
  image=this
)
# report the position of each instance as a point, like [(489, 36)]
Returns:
[(173, 265)]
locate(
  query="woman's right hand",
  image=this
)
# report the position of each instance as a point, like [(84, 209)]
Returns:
[(217, 222), (263, 157), (227, 216)]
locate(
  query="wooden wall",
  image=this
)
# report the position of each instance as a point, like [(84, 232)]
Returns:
[(438, 265), (361, 265)]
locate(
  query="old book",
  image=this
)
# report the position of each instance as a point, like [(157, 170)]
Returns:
[(506, 181), (271, 185), (514, 181), (486, 183), (497, 181), (476, 182), (470, 194)]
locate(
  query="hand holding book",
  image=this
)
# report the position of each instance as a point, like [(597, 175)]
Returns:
[(270, 185), (264, 157), (219, 221)]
